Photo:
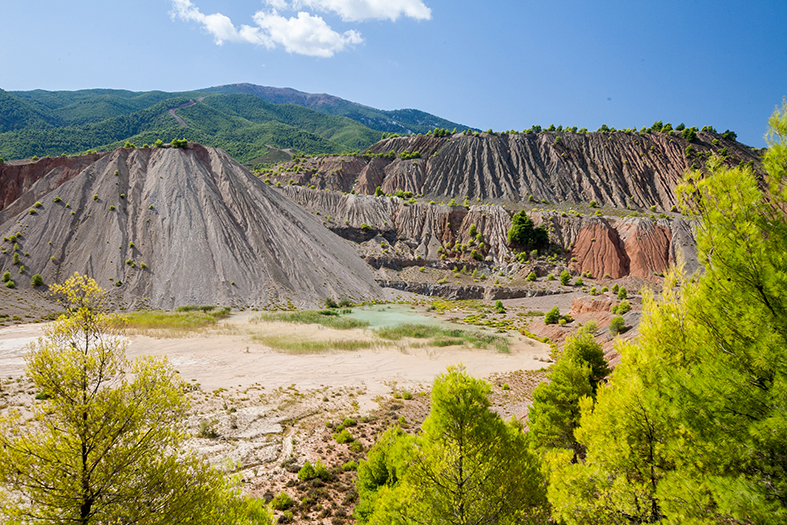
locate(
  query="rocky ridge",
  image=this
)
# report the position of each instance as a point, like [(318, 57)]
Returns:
[(613, 169)]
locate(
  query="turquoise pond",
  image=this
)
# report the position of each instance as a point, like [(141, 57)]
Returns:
[(390, 315)]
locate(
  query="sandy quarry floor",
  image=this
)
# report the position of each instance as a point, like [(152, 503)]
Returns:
[(229, 357)]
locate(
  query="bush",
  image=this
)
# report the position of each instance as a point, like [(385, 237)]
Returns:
[(343, 437), (499, 307), (552, 316), (690, 134), (37, 280), (622, 293), (623, 307), (551, 277), (16, 258), (282, 502), (531, 277), (10, 284), (565, 276), (6, 277), (617, 325), (182, 143), (579, 282)]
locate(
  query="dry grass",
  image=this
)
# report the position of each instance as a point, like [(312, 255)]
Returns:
[(294, 345), (441, 337), (327, 318), (158, 323)]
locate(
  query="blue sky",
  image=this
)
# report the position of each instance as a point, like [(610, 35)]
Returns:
[(494, 64)]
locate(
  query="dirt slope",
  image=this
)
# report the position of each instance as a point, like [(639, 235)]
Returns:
[(170, 227), (614, 169)]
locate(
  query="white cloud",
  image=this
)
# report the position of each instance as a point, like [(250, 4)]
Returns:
[(356, 10), (304, 34), (218, 25)]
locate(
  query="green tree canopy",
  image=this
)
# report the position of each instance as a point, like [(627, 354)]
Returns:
[(467, 467), (695, 413), (524, 235)]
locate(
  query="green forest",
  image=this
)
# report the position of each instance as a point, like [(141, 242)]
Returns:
[(243, 125)]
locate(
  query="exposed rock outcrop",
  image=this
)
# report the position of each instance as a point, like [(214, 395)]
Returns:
[(170, 227), (613, 246)]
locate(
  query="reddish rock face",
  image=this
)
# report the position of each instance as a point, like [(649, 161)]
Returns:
[(17, 178), (584, 306), (599, 250), (648, 247), (624, 248)]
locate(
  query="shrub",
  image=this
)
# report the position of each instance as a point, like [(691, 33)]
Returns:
[(623, 307), (16, 258), (579, 282), (593, 204), (350, 466), (182, 143), (617, 325), (615, 288), (6, 277), (10, 284), (531, 277), (111, 208), (622, 293), (307, 472), (57, 199), (499, 307), (565, 276), (282, 502), (551, 277), (330, 303), (552, 316), (343, 437), (37, 280), (365, 226)]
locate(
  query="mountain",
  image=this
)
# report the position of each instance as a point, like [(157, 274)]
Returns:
[(166, 227), (250, 127), (245, 126), (402, 121)]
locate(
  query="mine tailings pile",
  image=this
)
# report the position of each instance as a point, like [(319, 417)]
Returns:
[(174, 226)]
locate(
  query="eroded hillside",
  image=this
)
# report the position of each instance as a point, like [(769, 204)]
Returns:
[(613, 169), (167, 227)]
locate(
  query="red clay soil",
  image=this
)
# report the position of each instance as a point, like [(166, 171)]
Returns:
[(635, 249)]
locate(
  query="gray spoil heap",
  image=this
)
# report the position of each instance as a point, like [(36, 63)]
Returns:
[(163, 228)]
